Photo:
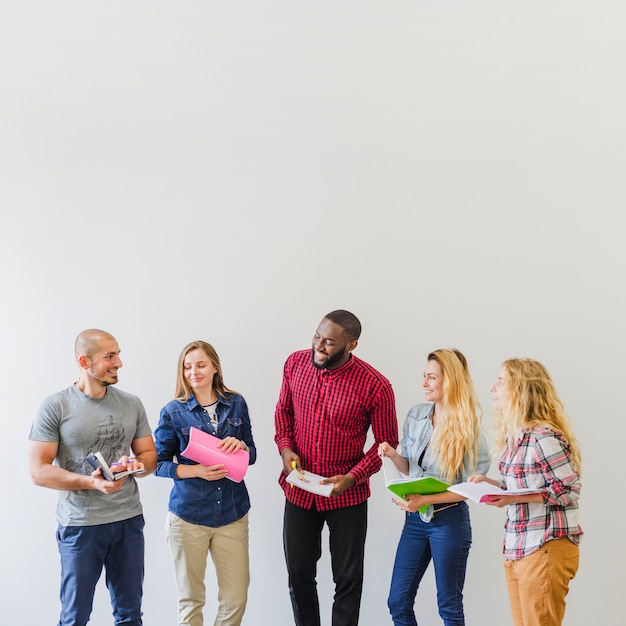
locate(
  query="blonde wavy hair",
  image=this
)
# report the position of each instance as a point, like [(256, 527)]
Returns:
[(531, 400), (456, 436)]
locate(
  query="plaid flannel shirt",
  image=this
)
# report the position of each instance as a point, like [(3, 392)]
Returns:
[(324, 416), (540, 460)]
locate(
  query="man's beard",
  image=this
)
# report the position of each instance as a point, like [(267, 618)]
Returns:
[(100, 381), (331, 360)]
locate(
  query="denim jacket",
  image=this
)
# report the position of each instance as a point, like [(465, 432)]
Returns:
[(205, 502), (417, 432)]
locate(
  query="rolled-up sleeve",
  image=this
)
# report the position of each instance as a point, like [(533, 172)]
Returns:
[(562, 480)]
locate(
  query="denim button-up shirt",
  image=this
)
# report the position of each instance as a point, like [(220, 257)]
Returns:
[(415, 446), (417, 432), (205, 502)]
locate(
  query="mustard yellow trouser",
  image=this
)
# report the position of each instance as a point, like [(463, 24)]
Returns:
[(539, 582)]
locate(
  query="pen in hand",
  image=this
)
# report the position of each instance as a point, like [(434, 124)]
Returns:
[(293, 466)]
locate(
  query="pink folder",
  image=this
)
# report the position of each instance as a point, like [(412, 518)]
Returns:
[(202, 448)]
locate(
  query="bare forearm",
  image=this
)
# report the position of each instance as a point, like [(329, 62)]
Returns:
[(445, 497), (197, 470), (54, 477), (187, 471), (149, 460), (145, 452), (528, 498), (401, 462)]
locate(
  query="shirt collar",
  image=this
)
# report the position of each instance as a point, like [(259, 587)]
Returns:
[(193, 402)]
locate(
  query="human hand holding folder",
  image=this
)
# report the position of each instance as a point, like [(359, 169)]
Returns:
[(405, 486), (205, 449)]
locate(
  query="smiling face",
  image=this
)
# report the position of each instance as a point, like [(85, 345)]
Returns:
[(433, 381), (101, 367), (199, 370), (498, 391), (331, 346)]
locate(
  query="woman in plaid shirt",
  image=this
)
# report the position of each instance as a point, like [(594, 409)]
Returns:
[(542, 532)]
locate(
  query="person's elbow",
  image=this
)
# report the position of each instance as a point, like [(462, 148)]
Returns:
[(40, 459), (37, 474), (34, 477)]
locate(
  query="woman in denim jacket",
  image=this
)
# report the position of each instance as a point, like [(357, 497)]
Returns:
[(443, 439), (207, 512)]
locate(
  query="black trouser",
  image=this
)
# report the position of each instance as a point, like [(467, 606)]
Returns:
[(302, 541)]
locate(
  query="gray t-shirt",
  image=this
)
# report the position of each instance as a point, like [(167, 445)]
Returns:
[(80, 425)]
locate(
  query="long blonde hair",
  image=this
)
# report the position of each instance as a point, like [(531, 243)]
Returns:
[(456, 436), (183, 390), (531, 400)]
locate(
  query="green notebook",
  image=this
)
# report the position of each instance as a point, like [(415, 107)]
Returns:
[(423, 486)]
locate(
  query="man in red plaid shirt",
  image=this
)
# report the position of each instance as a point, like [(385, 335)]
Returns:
[(328, 401)]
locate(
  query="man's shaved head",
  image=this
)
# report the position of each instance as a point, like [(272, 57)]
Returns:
[(88, 341)]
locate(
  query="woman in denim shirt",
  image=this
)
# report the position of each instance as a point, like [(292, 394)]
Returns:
[(441, 438), (207, 512)]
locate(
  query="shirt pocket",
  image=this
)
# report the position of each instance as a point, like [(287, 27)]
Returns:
[(409, 448), (185, 430), (233, 427)]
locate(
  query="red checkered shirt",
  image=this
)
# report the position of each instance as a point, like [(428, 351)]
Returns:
[(324, 416)]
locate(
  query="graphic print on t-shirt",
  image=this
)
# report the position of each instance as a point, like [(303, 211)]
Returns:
[(109, 440)]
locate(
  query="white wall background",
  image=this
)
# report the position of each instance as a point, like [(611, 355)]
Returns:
[(450, 171)]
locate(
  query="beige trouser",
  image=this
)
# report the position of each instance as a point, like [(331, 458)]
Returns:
[(228, 545), (539, 582)]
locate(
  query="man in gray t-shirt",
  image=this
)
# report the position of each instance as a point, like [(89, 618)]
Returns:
[(100, 521)]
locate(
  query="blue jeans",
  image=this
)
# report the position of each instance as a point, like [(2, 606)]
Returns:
[(85, 550), (446, 539)]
